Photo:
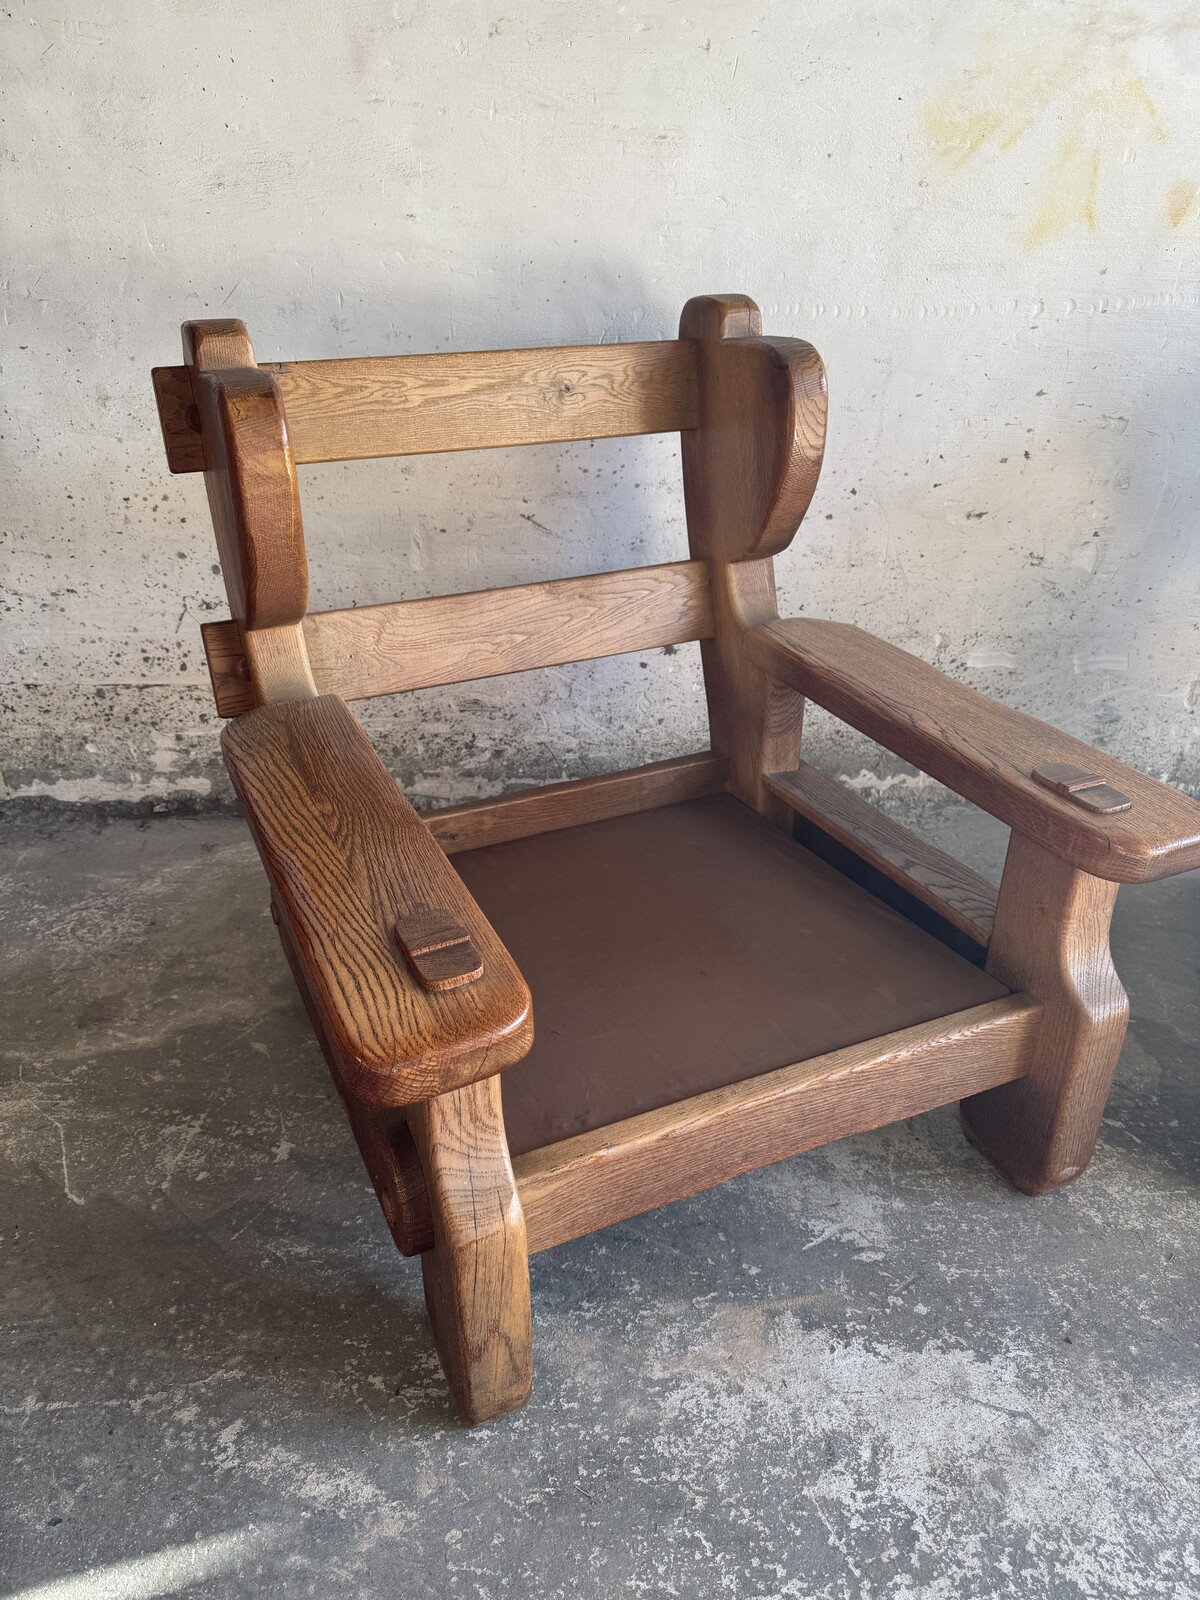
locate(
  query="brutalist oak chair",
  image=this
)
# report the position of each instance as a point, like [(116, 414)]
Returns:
[(730, 957)]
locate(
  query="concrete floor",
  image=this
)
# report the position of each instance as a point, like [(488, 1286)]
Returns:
[(870, 1371)]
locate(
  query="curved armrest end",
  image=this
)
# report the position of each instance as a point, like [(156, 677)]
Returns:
[(750, 467), (410, 988), (984, 751)]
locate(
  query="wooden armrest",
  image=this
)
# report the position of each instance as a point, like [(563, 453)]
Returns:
[(395, 991), (985, 751)]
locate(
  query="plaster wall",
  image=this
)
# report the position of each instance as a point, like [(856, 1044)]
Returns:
[(984, 216)]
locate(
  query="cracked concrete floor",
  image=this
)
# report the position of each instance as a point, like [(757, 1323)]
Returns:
[(870, 1371)]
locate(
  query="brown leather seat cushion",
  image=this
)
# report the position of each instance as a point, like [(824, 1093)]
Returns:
[(683, 949)]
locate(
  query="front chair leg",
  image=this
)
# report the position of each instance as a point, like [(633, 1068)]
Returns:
[(477, 1273), (1051, 939)]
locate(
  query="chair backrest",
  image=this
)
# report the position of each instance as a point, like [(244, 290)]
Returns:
[(473, 400), (751, 412)]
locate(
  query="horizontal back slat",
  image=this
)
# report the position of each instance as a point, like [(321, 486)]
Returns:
[(470, 400), (416, 644), (501, 818), (411, 405)]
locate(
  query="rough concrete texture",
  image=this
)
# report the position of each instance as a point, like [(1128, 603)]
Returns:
[(982, 215), (871, 1371)]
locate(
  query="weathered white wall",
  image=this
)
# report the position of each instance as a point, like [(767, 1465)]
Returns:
[(984, 215)]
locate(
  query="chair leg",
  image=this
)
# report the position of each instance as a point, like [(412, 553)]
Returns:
[(477, 1273), (1051, 939), (390, 1157)]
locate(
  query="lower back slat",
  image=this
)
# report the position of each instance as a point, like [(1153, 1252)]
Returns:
[(417, 644)]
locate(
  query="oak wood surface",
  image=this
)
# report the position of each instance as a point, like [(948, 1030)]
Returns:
[(1063, 779), (751, 464), (252, 494), (1051, 938), (598, 1178), (1084, 788), (476, 823), (983, 750), (346, 856), (439, 950), (352, 867), (216, 344), (416, 644), (179, 418), (754, 720), (277, 664), (477, 1273), (229, 677), (381, 1132), (470, 400), (1102, 798), (250, 475), (394, 1168), (962, 897), (749, 470), (456, 638), (347, 410)]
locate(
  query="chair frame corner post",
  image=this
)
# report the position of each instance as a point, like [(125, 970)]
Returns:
[(476, 1274), (749, 471), (1051, 938), (254, 498)]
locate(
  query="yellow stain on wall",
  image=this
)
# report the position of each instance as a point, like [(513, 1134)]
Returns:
[(1103, 110), (1071, 189), (1126, 104), (1181, 200), (995, 103)]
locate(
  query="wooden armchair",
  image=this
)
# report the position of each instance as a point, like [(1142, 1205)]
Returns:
[(731, 957)]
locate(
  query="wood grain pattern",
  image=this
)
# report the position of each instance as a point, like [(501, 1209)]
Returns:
[(755, 721), (346, 856), (749, 470), (251, 482), (416, 644), (250, 476), (277, 664), (229, 678), (957, 894), (501, 818), (751, 465), (1051, 938), (1063, 779), (983, 750), (381, 1132), (439, 950), (477, 1273), (1102, 798), (1084, 788), (599, 1178), (394, 1168), (216, 344), (471, 400), (178, 418), (352, 867), (456, 638)]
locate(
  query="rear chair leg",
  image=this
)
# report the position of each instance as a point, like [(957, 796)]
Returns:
[(1051, 939), (477, 1273)]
